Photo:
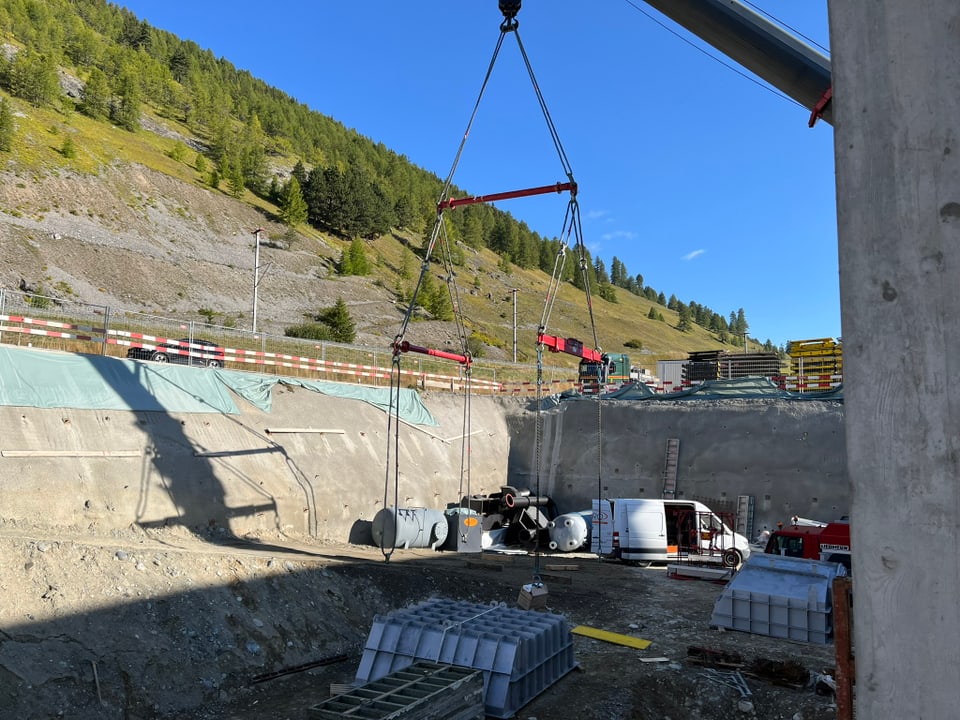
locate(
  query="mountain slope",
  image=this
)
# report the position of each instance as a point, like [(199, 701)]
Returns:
[(149, 236)]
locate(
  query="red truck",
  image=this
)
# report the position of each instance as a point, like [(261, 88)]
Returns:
[(830, 542)]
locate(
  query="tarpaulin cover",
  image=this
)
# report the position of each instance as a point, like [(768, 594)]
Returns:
[(256, 389), (749, 388), (44, 379)]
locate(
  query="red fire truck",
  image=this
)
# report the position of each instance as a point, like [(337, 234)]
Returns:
[(828, 541)]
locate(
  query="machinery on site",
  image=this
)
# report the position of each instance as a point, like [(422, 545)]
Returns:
[(611, 372), (646, 530), (816, 541)]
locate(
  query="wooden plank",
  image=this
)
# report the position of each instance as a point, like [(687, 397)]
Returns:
[(843, 645), (612, 637), (562, 568)]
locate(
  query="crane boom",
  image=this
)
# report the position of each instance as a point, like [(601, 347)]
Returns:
[(761, 46), (570, 346)]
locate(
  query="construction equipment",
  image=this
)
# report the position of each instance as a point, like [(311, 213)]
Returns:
[(829, 542)]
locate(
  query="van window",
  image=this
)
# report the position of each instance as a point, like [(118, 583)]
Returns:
[(710, 522)]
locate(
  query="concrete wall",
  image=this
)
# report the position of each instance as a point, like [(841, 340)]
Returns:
[(789, 455), (212, 472), (243, 474)]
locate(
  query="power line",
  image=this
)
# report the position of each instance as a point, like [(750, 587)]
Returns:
[(715, 58), (786, 26)]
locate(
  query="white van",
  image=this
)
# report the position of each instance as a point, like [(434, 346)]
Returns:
[(652, 530)]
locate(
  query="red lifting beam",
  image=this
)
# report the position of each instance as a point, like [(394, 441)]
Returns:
[(570, 346), (407, 347), (509, 195)]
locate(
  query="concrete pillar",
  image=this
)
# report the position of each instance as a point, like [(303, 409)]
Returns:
[(896, 74)]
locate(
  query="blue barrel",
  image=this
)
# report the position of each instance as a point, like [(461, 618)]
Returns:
[(409, 528)]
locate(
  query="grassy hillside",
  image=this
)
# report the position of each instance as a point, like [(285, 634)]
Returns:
[(130, 218), (168, 199)]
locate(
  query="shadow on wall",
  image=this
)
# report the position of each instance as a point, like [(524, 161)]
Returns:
[(176, 468)]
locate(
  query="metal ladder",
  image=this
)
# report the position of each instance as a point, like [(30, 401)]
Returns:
[(670, 463)]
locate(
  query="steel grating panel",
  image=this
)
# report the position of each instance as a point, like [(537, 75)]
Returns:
[(422, 691)]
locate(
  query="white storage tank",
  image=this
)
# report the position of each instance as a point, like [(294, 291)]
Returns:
[(409, 528), (567, 532)]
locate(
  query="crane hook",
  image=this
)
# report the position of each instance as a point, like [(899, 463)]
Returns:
[(509, 8)]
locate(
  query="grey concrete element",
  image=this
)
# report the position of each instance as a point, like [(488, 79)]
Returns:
[(789, 455), (898, 187), (227, 475), (761, 46)]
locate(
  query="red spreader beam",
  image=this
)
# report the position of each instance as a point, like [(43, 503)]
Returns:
[(407, 347), (509, 195), (570, 346)]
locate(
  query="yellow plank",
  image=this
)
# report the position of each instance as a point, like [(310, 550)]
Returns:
[(612, 637)]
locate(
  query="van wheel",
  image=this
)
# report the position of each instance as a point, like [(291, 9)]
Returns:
[(732, 558), (638, 563)]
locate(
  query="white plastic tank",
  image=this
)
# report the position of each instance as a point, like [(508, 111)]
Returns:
[(409, 528), (567, 532)]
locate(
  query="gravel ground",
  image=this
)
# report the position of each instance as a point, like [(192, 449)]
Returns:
[(169, 625)]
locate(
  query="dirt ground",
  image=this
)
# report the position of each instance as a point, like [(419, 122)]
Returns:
[(164, 624)]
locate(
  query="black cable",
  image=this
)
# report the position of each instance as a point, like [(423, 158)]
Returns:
[(715, 58)]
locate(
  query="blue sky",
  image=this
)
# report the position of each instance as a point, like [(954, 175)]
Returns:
[(702, 180)]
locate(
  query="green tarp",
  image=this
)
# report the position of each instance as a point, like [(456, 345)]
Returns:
[(45, 379)]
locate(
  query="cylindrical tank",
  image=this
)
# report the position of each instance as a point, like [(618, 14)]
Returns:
[(567, 532), (409, 528)]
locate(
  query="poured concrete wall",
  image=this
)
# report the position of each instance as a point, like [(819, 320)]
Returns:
[(259, 472), (245, 474), (788, 455)]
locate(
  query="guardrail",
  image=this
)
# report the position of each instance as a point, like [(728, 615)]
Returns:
[(72, 326)]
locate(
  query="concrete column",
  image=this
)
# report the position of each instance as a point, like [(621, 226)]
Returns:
[(896, 74)]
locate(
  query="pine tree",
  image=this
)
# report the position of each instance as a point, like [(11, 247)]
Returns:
[(68, 149), (439, 304), (95, 96), (34, 77), (7, 126), (126, 107), (652, 315), (293, 208), (359, 265), (341, 324)]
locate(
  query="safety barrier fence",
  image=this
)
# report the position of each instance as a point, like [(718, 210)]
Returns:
[(53, 323)]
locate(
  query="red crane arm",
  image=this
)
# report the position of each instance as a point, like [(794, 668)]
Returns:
[(407, 347), (509, 195), (570, 346)]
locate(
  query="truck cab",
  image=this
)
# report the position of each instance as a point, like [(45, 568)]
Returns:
[(829, 542)]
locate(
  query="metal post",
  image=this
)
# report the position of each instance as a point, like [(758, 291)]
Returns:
[(514, 291), (106, 329), (256, 275)]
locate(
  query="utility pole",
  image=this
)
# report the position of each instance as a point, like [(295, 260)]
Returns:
[(256, 275), (514, 291)]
